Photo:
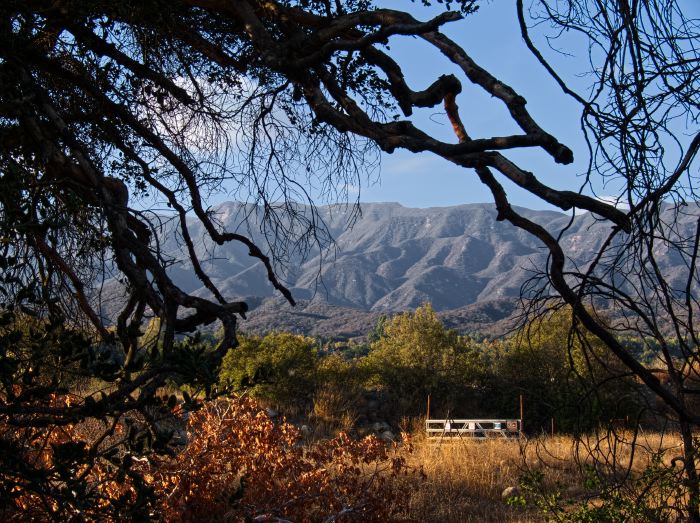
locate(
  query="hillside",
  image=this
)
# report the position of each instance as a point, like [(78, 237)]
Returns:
[(468, 265), (393, 257), (320, 319)]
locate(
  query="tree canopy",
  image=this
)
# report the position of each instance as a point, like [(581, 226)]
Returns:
[(416, 356)]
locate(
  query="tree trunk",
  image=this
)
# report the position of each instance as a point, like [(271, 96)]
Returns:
[(691, 473)]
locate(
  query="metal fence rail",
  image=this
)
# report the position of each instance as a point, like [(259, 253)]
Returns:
[(473, 428)]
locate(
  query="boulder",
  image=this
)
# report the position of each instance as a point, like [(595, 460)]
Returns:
[(510, 492), (387, 436)]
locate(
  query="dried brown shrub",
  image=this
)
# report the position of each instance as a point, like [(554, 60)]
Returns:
[(238, 464)]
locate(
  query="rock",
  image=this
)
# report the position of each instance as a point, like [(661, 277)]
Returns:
[(510, 492), (380, 426), (574, 491), (180, 437), (387, 436)]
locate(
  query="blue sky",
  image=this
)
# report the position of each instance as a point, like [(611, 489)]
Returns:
[(492, 37)]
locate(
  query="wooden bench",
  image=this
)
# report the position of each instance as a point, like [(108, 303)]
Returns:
[(473, 428)]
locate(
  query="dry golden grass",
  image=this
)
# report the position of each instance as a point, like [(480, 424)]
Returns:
[(465, 478), (464, 481)]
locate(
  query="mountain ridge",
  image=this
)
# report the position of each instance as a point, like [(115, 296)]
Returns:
[(394, 258)]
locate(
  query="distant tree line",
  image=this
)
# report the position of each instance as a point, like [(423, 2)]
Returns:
[(412, 356)]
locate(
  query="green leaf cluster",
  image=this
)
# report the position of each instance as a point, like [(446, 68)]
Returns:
[(278, 367), (416, 356)]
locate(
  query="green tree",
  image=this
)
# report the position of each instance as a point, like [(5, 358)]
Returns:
[(279, 367), (573, 380), (417, 356), (377, 330)]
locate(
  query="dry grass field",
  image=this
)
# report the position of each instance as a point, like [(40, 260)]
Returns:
[(464, 479)]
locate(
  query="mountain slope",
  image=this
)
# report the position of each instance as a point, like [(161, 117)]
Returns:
[(396, 258)]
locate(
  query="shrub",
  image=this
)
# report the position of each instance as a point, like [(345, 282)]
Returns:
[(338, 395), (240, 464), (66, 473), (279, 367), (416, 356)]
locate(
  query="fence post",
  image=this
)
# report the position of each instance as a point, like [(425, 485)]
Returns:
[(521, 413)]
